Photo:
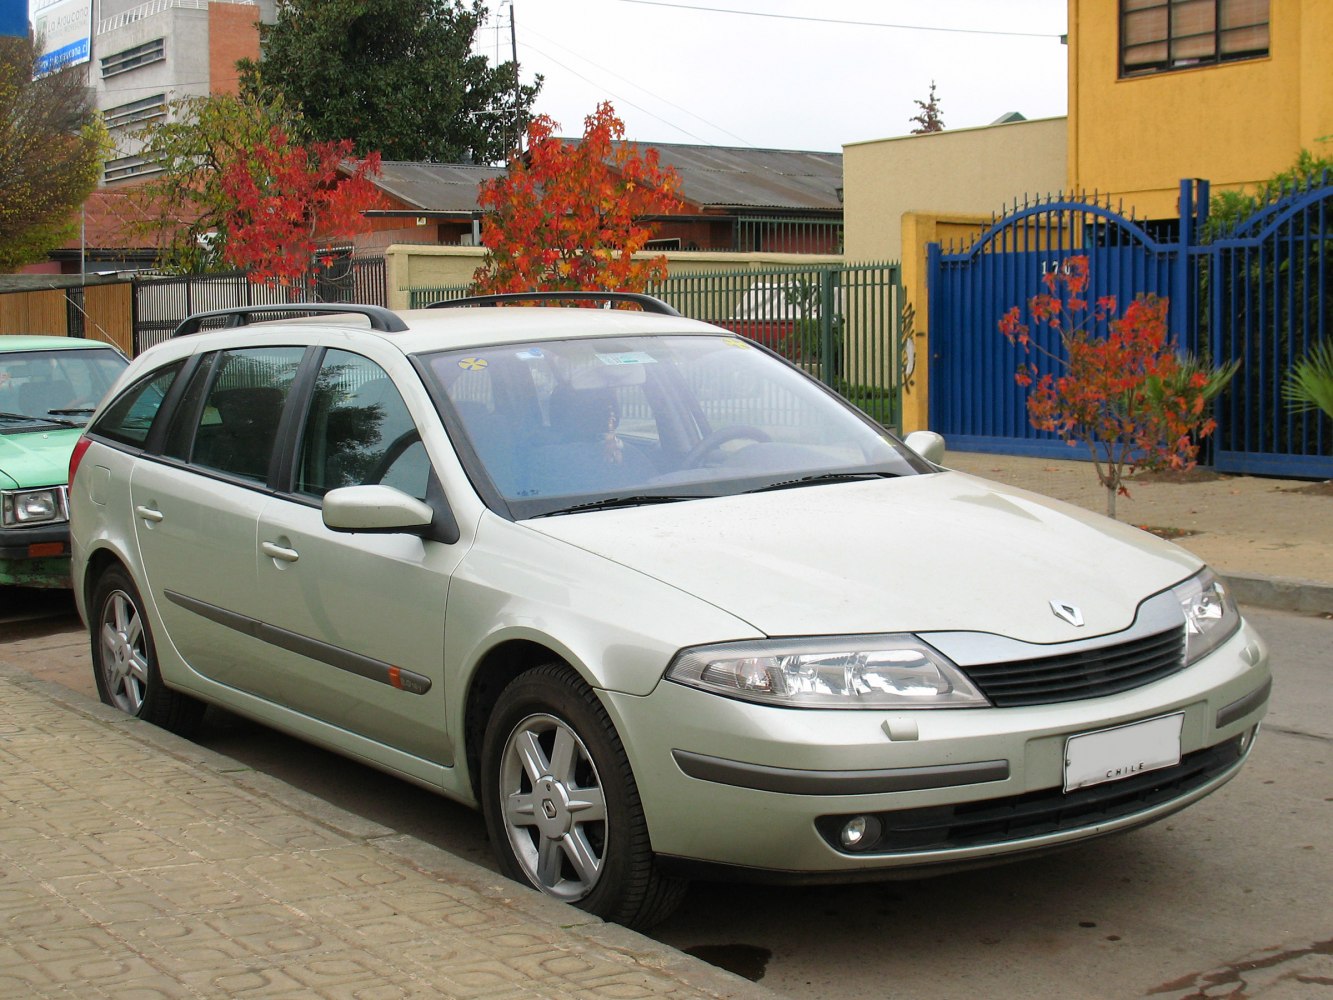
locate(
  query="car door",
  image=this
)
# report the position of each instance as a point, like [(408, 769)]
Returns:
[(196, 508), (361, 616)]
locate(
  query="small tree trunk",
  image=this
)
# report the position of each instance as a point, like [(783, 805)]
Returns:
[(1110, 501)]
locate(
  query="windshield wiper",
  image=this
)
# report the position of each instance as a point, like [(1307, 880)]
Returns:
[(823, 477), (73, 410), (39, 420), (611, 503)]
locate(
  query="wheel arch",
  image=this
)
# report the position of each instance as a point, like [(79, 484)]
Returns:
[(495, 671), (99, 561)]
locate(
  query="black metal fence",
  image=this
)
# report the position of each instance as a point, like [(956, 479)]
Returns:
[(161, 302)]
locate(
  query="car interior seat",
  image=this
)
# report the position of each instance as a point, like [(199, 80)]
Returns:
[(585, 455), (249, 426)]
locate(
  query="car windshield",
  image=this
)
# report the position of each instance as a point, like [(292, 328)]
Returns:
[(562, 426), (61, 388)]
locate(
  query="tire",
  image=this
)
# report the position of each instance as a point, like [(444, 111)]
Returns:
[(125, 659), (561, 805)]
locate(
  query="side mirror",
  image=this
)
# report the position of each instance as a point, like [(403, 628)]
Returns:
[(379, 509), (927, 444)]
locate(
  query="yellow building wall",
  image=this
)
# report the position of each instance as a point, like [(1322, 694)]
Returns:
[(1233, 124), (919, 229), (975, 171), (904, 193)]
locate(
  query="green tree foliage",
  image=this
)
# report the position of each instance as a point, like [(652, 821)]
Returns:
[(1309, 384), (395, 76), (1227, 208), (186, 205), (930, 118), (52, 144)]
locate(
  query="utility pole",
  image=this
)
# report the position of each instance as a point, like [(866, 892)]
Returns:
[(513, 55)]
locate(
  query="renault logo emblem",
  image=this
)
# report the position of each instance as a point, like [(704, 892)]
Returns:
[(1067, 612)]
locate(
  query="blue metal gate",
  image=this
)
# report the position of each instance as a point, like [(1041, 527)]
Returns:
[(1269, 299), (1260, 295)]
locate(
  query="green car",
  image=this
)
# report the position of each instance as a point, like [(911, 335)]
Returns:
[(49, 387)]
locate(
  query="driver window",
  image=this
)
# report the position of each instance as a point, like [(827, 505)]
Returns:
[(359, 432)]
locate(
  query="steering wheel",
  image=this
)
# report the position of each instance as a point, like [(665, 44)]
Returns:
[(712, 442)]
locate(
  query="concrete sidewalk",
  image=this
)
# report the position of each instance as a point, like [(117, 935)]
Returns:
[(134, 863), (1272, 539)]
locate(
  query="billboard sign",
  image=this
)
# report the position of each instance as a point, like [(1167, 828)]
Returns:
[(65, 28), (14, 18)]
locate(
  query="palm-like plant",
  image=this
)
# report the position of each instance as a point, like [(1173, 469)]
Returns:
[(1309, 384)]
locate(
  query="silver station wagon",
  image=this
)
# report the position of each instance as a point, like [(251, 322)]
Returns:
[(657, 602)]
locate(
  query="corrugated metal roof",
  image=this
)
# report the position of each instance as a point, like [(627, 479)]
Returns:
[(726, 177), (435, 187), (711, 177)]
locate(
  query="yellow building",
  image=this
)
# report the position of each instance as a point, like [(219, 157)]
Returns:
[(1226, 90)]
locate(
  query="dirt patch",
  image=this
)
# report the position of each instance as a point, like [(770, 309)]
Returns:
[(1198, 474), (1324, 489), (1168, 533)]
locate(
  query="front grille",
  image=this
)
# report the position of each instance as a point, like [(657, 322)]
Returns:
[(1090, 673), (1019, 817)]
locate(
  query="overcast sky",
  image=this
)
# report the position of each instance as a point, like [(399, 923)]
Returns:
[(790, 74)]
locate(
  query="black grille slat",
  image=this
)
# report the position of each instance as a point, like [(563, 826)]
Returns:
[(1106, 658), (1052, 810), (1148, 671), (1090, 673)]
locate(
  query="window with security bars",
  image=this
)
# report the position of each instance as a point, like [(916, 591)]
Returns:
[(136, 112), (1157, 36), (128, 59)]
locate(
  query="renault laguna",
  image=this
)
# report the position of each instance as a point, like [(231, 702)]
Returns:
[(658, 603)]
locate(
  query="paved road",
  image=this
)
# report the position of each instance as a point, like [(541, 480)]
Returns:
[(1229, 898)]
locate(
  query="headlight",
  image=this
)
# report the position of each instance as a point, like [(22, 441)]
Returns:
[(1211, 616), (866, 671), (24, 507)]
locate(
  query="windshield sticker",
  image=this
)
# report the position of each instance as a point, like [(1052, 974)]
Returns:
[(627, 358), (531, 354), (735, 342), (473, 364)]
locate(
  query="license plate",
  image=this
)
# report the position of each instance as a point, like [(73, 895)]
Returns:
[(1122, 752)]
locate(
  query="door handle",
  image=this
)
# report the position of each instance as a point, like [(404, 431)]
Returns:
[(279, 552), (149, 513)]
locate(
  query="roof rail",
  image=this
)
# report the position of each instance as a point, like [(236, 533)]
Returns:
[(384, 320), (648, 303)]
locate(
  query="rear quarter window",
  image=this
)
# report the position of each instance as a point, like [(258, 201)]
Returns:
[(130, 418)]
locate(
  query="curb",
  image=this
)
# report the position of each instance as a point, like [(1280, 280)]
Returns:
[(1275, 593)]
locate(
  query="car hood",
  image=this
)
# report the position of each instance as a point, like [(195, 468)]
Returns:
[(36, 458), (937, 552)]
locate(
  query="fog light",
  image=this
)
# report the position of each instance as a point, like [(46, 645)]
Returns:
[(859, 833), (1247, 737)]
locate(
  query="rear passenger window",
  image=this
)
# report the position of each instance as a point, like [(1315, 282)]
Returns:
[(130, 418), (238, 425), (359, 432)]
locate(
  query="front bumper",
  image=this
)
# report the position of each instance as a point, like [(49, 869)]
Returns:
[(36, 556), (756, 788)]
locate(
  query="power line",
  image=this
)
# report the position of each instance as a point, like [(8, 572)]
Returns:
[(625, 100), (833, 20), (659, 97)]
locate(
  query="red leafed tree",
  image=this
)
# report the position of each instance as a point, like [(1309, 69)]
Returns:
[(290, 200), (567, 216), (1121, 387)]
